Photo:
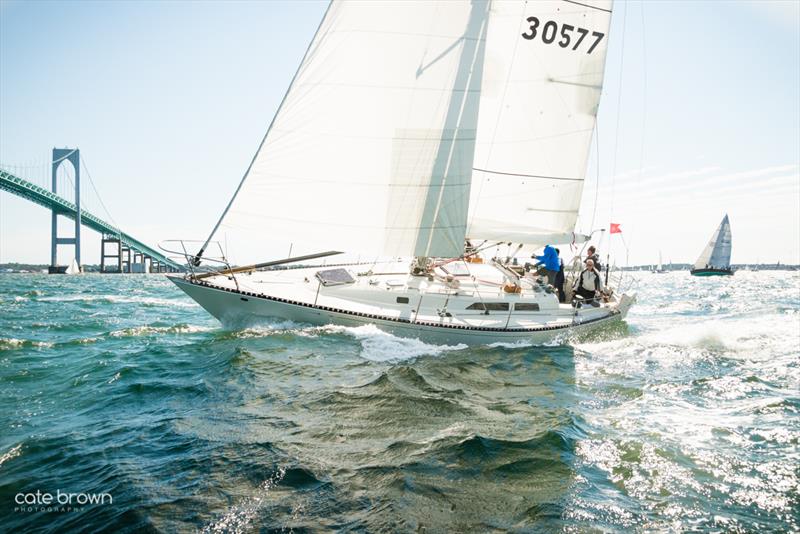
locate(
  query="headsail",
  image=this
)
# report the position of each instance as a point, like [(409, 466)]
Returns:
[(541, 89), (372, 148), (717, 253)]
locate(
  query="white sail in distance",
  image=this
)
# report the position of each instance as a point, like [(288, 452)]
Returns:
[(717, 253), (372, 149), (73, 267), (541, 88)]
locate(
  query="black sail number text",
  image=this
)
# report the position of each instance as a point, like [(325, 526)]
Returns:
[(569, 35)]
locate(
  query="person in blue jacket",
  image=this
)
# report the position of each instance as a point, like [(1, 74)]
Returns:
[(551, 262), (562, 296)]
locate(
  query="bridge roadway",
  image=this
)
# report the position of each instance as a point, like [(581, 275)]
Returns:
[(32, 192)]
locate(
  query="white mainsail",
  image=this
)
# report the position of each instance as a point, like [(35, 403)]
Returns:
[(372, 149), (541, 89), (717, 253)]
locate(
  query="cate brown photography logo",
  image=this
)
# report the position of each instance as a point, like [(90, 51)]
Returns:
[(59, 501)]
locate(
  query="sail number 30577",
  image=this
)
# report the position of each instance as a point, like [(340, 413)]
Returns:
[(569, 34)]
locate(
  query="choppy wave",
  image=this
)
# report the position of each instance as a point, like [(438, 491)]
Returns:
[(240, 517), (13, 452), (381, 346), (13, 343), (377, 345), (120, 299), (158, 330)]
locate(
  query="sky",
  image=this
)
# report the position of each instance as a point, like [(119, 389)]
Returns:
[(168, 101)]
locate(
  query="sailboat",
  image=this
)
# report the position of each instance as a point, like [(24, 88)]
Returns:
[(715, 260), (73, 268), (424, 135), (659, 268)]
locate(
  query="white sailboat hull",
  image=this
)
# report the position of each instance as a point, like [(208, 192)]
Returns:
[(238, 307)]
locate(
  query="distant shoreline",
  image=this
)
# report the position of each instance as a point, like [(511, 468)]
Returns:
[(10, 268), (734, 266), (23, 268)]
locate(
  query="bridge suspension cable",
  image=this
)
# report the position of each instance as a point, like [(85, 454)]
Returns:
[(97, 193)]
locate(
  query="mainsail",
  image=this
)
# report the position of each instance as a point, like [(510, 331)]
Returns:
[(372, 148), (541, 89), (717, 253)]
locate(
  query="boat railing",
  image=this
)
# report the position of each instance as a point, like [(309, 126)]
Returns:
[(618, 280), (219, 263)]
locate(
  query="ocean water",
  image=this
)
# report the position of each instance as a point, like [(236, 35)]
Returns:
[(683, 418)]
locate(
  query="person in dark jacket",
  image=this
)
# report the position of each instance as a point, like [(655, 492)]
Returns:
[(595, 257), (549, 259), (589, 284), (562, 297)]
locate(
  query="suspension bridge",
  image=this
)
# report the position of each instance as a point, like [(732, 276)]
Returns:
[(127, 254)]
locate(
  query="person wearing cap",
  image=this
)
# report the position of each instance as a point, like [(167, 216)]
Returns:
[(589, 283)]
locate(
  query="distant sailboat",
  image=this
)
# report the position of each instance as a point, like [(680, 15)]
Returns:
[(659, 268), (716, 257), (73, 268)]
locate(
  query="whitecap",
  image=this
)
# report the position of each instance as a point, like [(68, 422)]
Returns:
[(151, 330), (380, 346), (12, 343), (13, 452)]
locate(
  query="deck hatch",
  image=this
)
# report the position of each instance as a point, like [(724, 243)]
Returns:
[(334, 277)]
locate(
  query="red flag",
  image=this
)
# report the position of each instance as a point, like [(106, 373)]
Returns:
[(615, 229)]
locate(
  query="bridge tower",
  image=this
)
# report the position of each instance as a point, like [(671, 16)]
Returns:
[(59, 156)]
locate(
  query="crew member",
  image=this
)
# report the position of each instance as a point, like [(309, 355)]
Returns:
[(549, 259), (595, 257), (589, 283), (562, 297)]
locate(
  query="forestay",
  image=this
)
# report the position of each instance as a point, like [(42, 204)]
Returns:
[(372, 149), (539, 97), (718, 251)]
